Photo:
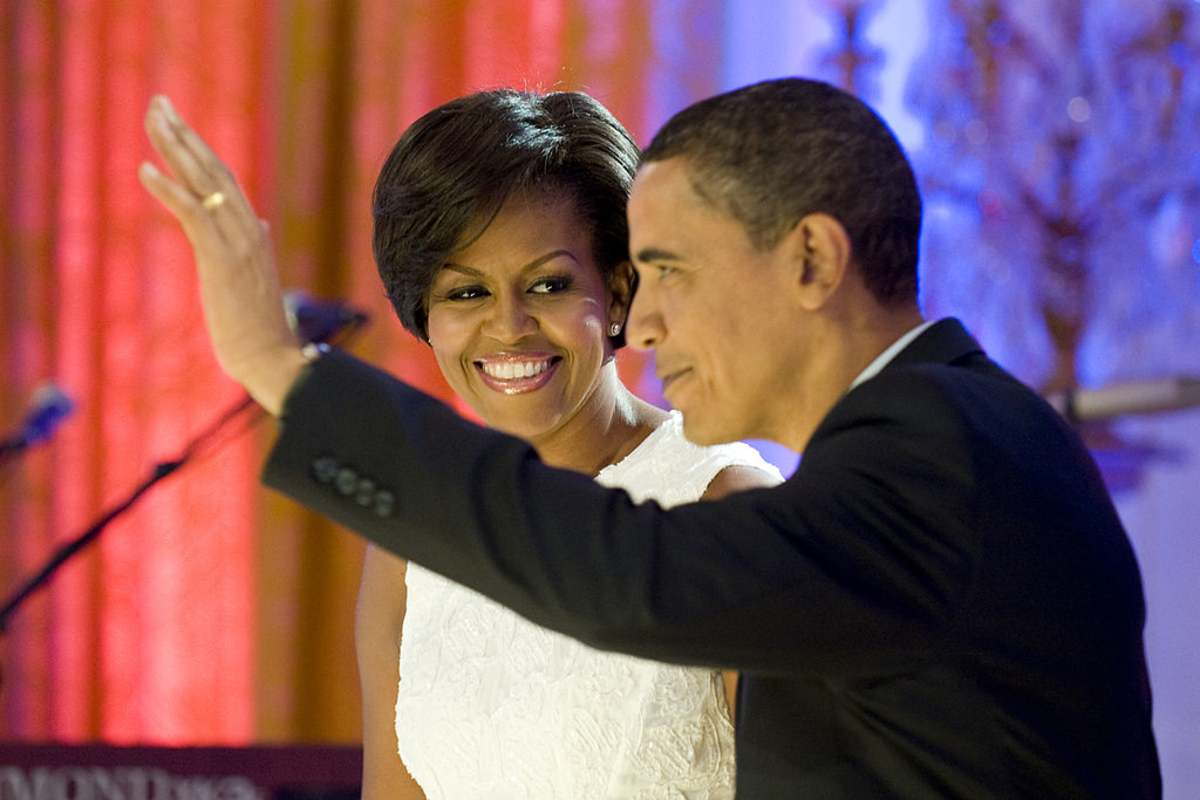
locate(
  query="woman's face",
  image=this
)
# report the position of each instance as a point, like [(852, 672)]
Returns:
[(518, 318)]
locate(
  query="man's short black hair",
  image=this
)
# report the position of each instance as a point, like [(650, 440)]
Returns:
[(771, 153)]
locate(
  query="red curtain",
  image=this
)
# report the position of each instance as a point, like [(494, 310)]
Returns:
[(214, 612), (137, 639)]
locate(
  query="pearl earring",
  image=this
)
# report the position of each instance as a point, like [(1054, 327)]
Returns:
[(614, 329)]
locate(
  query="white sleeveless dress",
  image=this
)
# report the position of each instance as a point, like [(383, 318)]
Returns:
[(492, 706)]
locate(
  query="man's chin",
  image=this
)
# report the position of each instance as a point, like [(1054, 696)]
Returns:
[(703, 430)]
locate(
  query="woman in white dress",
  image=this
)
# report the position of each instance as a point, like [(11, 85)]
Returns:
[(501, 239), (500, 236)]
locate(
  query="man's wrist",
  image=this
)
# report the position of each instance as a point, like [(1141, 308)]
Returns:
[(273, 382), (314, 350)]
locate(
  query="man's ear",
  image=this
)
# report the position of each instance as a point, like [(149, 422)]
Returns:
[(622, 283), (818, 250)]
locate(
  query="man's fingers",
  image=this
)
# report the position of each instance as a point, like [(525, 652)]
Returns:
[(199, 150), (177, 156), (182, 204), (206, 172), (179, 201)]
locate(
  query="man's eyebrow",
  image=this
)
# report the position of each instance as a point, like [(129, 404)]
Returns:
[(532, 265), (656, 254)]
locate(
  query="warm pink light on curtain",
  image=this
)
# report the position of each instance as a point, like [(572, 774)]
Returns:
[(132, 550), (513, 44), (27, 361), (81, 295), (546, 21), (148, 637)]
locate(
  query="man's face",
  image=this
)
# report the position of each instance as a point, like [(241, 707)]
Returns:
[(718, 313)]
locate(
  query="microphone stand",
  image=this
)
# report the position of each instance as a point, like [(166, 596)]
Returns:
[(18, 443), (11, 448), (160, 471)]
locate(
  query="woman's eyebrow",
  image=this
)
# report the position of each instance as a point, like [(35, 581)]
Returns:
[(532, 265), (537, 262), (470, 272)]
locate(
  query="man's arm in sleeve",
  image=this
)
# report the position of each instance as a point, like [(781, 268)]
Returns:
[(751, 581)]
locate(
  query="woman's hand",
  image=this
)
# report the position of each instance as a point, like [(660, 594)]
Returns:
[(239, 287)]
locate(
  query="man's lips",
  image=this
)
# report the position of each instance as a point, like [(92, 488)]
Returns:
[(669, 377), (516, 373)]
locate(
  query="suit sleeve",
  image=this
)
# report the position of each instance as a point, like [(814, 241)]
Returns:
[(843, 567)]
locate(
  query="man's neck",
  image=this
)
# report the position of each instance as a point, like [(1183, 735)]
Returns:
[(890, 352), (849, 346), (867, 339)]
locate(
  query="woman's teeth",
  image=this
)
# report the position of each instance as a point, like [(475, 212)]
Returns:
[(510, 370)]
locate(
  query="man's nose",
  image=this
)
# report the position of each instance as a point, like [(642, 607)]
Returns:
[(644, 329)]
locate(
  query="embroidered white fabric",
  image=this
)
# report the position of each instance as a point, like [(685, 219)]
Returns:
[(492, 706)]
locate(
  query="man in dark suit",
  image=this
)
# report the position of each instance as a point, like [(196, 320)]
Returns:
[(940, 602)]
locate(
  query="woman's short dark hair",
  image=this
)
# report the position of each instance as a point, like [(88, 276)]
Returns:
[(452, 170), (771, 153)]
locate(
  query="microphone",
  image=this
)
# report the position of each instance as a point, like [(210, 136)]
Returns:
[(1134, 397), (314, 321), (47, 409)]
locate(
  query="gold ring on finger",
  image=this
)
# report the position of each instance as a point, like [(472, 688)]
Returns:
[(212, 201)]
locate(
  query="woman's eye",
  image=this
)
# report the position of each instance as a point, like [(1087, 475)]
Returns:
[(664, 270), (550, 285), (466, 293)]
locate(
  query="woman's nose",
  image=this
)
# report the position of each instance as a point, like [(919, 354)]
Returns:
[(509, 320)]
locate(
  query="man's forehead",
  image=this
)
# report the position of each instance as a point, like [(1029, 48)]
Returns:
[(666, 187), (662, 174)]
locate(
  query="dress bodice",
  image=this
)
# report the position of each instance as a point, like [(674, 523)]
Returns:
[(492, 706)]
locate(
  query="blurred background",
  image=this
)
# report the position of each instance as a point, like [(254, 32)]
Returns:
[(1055, 142)]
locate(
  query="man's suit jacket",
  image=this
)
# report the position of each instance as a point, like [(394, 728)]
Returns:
[(940, 602)]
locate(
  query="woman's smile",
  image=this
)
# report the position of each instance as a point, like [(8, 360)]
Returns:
[(517, 373)]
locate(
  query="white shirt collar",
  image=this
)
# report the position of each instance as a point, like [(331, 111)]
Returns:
[(884, 358)]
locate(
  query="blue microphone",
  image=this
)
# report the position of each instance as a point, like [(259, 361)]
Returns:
[(314, 321), (47, 409)]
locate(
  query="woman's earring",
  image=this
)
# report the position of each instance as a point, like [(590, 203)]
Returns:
[(614, 329)]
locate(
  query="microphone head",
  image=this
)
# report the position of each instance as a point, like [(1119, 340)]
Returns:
[(314, 321), (48, 408)]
